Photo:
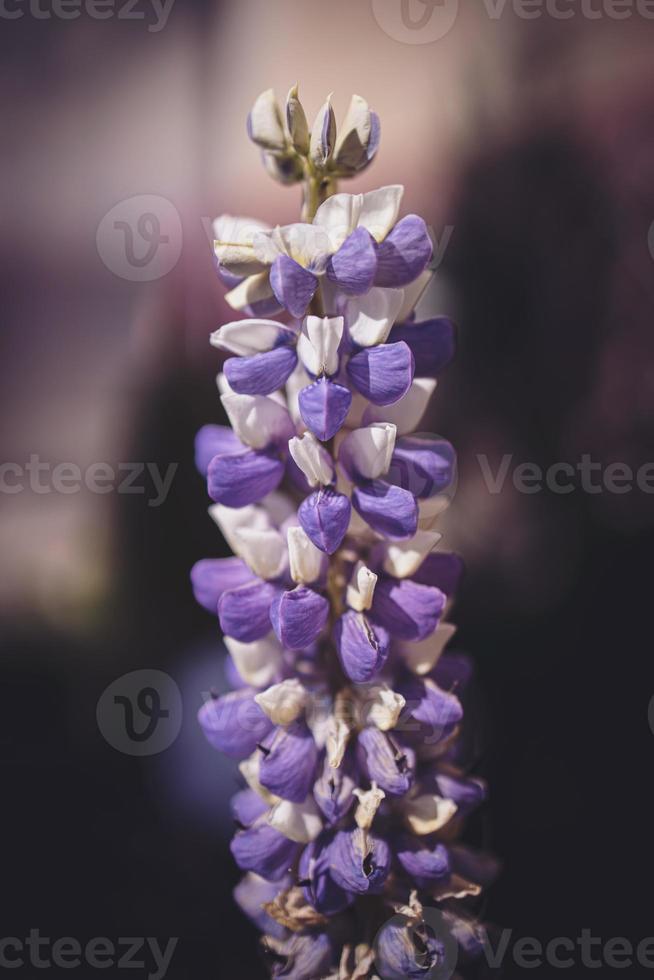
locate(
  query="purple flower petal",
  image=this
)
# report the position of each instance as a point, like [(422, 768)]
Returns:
[(374, 138), (467, 792), (302, 956), (453, 671), (422, 863), (292, 285), (264, 307), (320, 889), (238, 479), (228, 279), (362, 648), (247, 806), (324, 406), (325, 517), (407, 609), (422, 465), (260, 374), (432, 342), (234, 724), (359, 861), (289, 761), (252, 893), (410, 950), (389, 510), (244, 613), (382, 374), (383, 760), (404, 253), (296, 476), (298, 617), (434, 708), (354, 265), (333, 791), (264, 850), (441, 569), (213, 440), (232, 676), (210, 577)]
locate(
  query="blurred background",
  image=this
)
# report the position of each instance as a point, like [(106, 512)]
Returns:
[(527, 143)]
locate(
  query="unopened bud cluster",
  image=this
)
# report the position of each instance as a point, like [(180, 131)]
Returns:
[(321, 153)]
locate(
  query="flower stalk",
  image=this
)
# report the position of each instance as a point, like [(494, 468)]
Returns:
[(347, 711)]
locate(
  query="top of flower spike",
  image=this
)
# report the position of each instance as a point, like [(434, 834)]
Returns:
[(291, 148)]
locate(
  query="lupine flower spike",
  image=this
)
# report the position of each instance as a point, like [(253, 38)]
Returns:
[(346, 714)]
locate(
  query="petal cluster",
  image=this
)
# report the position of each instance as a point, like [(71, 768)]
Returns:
[(347, 711)]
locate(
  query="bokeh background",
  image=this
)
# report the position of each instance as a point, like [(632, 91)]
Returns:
[(528, 145)]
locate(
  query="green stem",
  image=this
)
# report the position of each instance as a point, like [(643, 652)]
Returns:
[(317, 188)]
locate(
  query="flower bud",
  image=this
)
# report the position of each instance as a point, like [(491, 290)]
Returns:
[(359, 137), (296, 121), (265, 124), (285, 168), (323, 134)]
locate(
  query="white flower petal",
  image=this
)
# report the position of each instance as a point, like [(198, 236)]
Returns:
[(233, 243), (340, 726), (263, 550), (371, 317), (431, 509), (257, 662), (427, 814), (265, 125), (249, 770), (354, 132), (369, 802), (454, 887), (339, 215), (308, 245), (305, 560), (258, 420), (253, 336), (361, 588), (318, 344), (254, 289), (323, 134), (408, 411), (230, 519), (379, 210), (338, 735), (298, 380), (381, 707), (300, 822), (422, 657), (312, 458), (403, 558), (284, 702), (278, 507), (370, 449)]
